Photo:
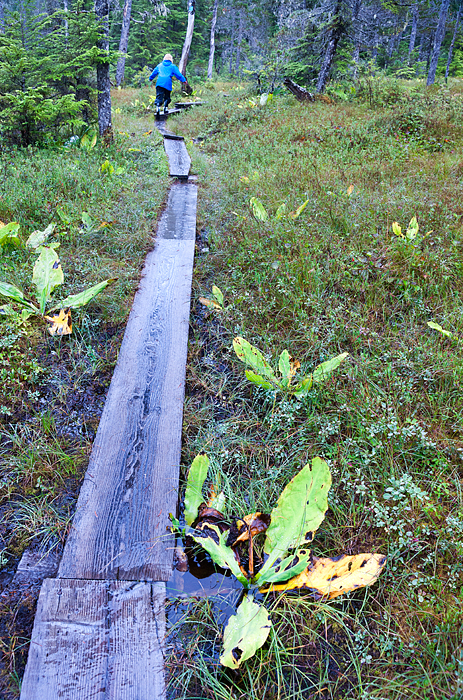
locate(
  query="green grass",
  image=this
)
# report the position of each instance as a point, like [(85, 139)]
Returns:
[(388, 421), (53, 388)]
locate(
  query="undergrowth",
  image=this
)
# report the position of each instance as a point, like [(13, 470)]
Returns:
[(389, 422), (53, 389)]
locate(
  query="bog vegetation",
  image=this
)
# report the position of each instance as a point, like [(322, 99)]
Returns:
[(330, 236)]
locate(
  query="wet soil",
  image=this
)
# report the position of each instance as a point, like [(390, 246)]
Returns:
[(62, 416)]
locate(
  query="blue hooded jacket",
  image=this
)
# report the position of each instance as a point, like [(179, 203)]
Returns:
[(165, 71)]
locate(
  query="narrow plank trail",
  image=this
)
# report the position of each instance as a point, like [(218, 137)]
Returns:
[(100, 625)]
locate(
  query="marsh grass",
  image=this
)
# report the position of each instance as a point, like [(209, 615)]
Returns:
[(388, 421), (53, 389)]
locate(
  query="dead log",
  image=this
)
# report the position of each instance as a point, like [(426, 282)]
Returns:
[(299, 92)]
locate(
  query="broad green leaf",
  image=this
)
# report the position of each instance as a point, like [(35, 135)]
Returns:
[(8, 233), (38, 238), (217, 294), (284, 365), (299, 511), (244, 633), (258, 380), (7, 310), (258, 209), (436, 327), (47, 275), (397, 229), (303, 388), (321, 372), (286, 569), (299, 210), (11, 292), (197, 474), (26, 314), (83, 298), (412, 230), (214, 542), (281, 211), (217, 502), (332, 577), (250, 355), (86, 220)]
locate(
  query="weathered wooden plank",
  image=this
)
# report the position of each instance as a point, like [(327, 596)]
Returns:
[(97, 640), (179, 160), (179, 217), (161, 116), (36, 565), (120, 530), (187, 105)]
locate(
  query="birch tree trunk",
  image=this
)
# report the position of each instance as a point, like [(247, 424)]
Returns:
[(188, 38), (124, 42), (102, 72), (357, 31), (333, 41), (66, 24), (210, 66), (240, 39), (232, 41), (438, 38), (412, 41), (452, 43)]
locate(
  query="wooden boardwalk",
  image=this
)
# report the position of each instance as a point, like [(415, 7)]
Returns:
[(100, 625)]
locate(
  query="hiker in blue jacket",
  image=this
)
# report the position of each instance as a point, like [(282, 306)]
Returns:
[(165, 71)]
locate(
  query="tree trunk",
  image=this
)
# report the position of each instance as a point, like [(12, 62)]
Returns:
[(210, 66), (2, 17), (66, 25), (438, 38), (452, 43), (356, 25), (188, 38), (411, 44), (240, 39), (103, 83), (232, 41), (333, 41), (124, 42)]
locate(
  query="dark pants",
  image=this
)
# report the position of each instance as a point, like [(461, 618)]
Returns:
[(162, 95)]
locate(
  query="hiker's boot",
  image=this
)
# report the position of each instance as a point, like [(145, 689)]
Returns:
[(166, 111), (158, 110)]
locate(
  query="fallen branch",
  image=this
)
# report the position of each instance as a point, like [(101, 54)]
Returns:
[(299, 92)]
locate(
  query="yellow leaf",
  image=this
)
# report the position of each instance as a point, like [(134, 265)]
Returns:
[(350, 190), (147, 133), (210, 302), (332, 577), (60, 323)]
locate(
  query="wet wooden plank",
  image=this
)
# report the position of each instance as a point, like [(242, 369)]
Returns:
[(187, 105), (121, 527), (97, 640), (179, 160), (179, 217), (36, 565), (162, 116)]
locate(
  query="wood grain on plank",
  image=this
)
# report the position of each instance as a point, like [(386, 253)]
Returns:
[(179, 160), (97, 640), (121, 527), (179, 218)]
